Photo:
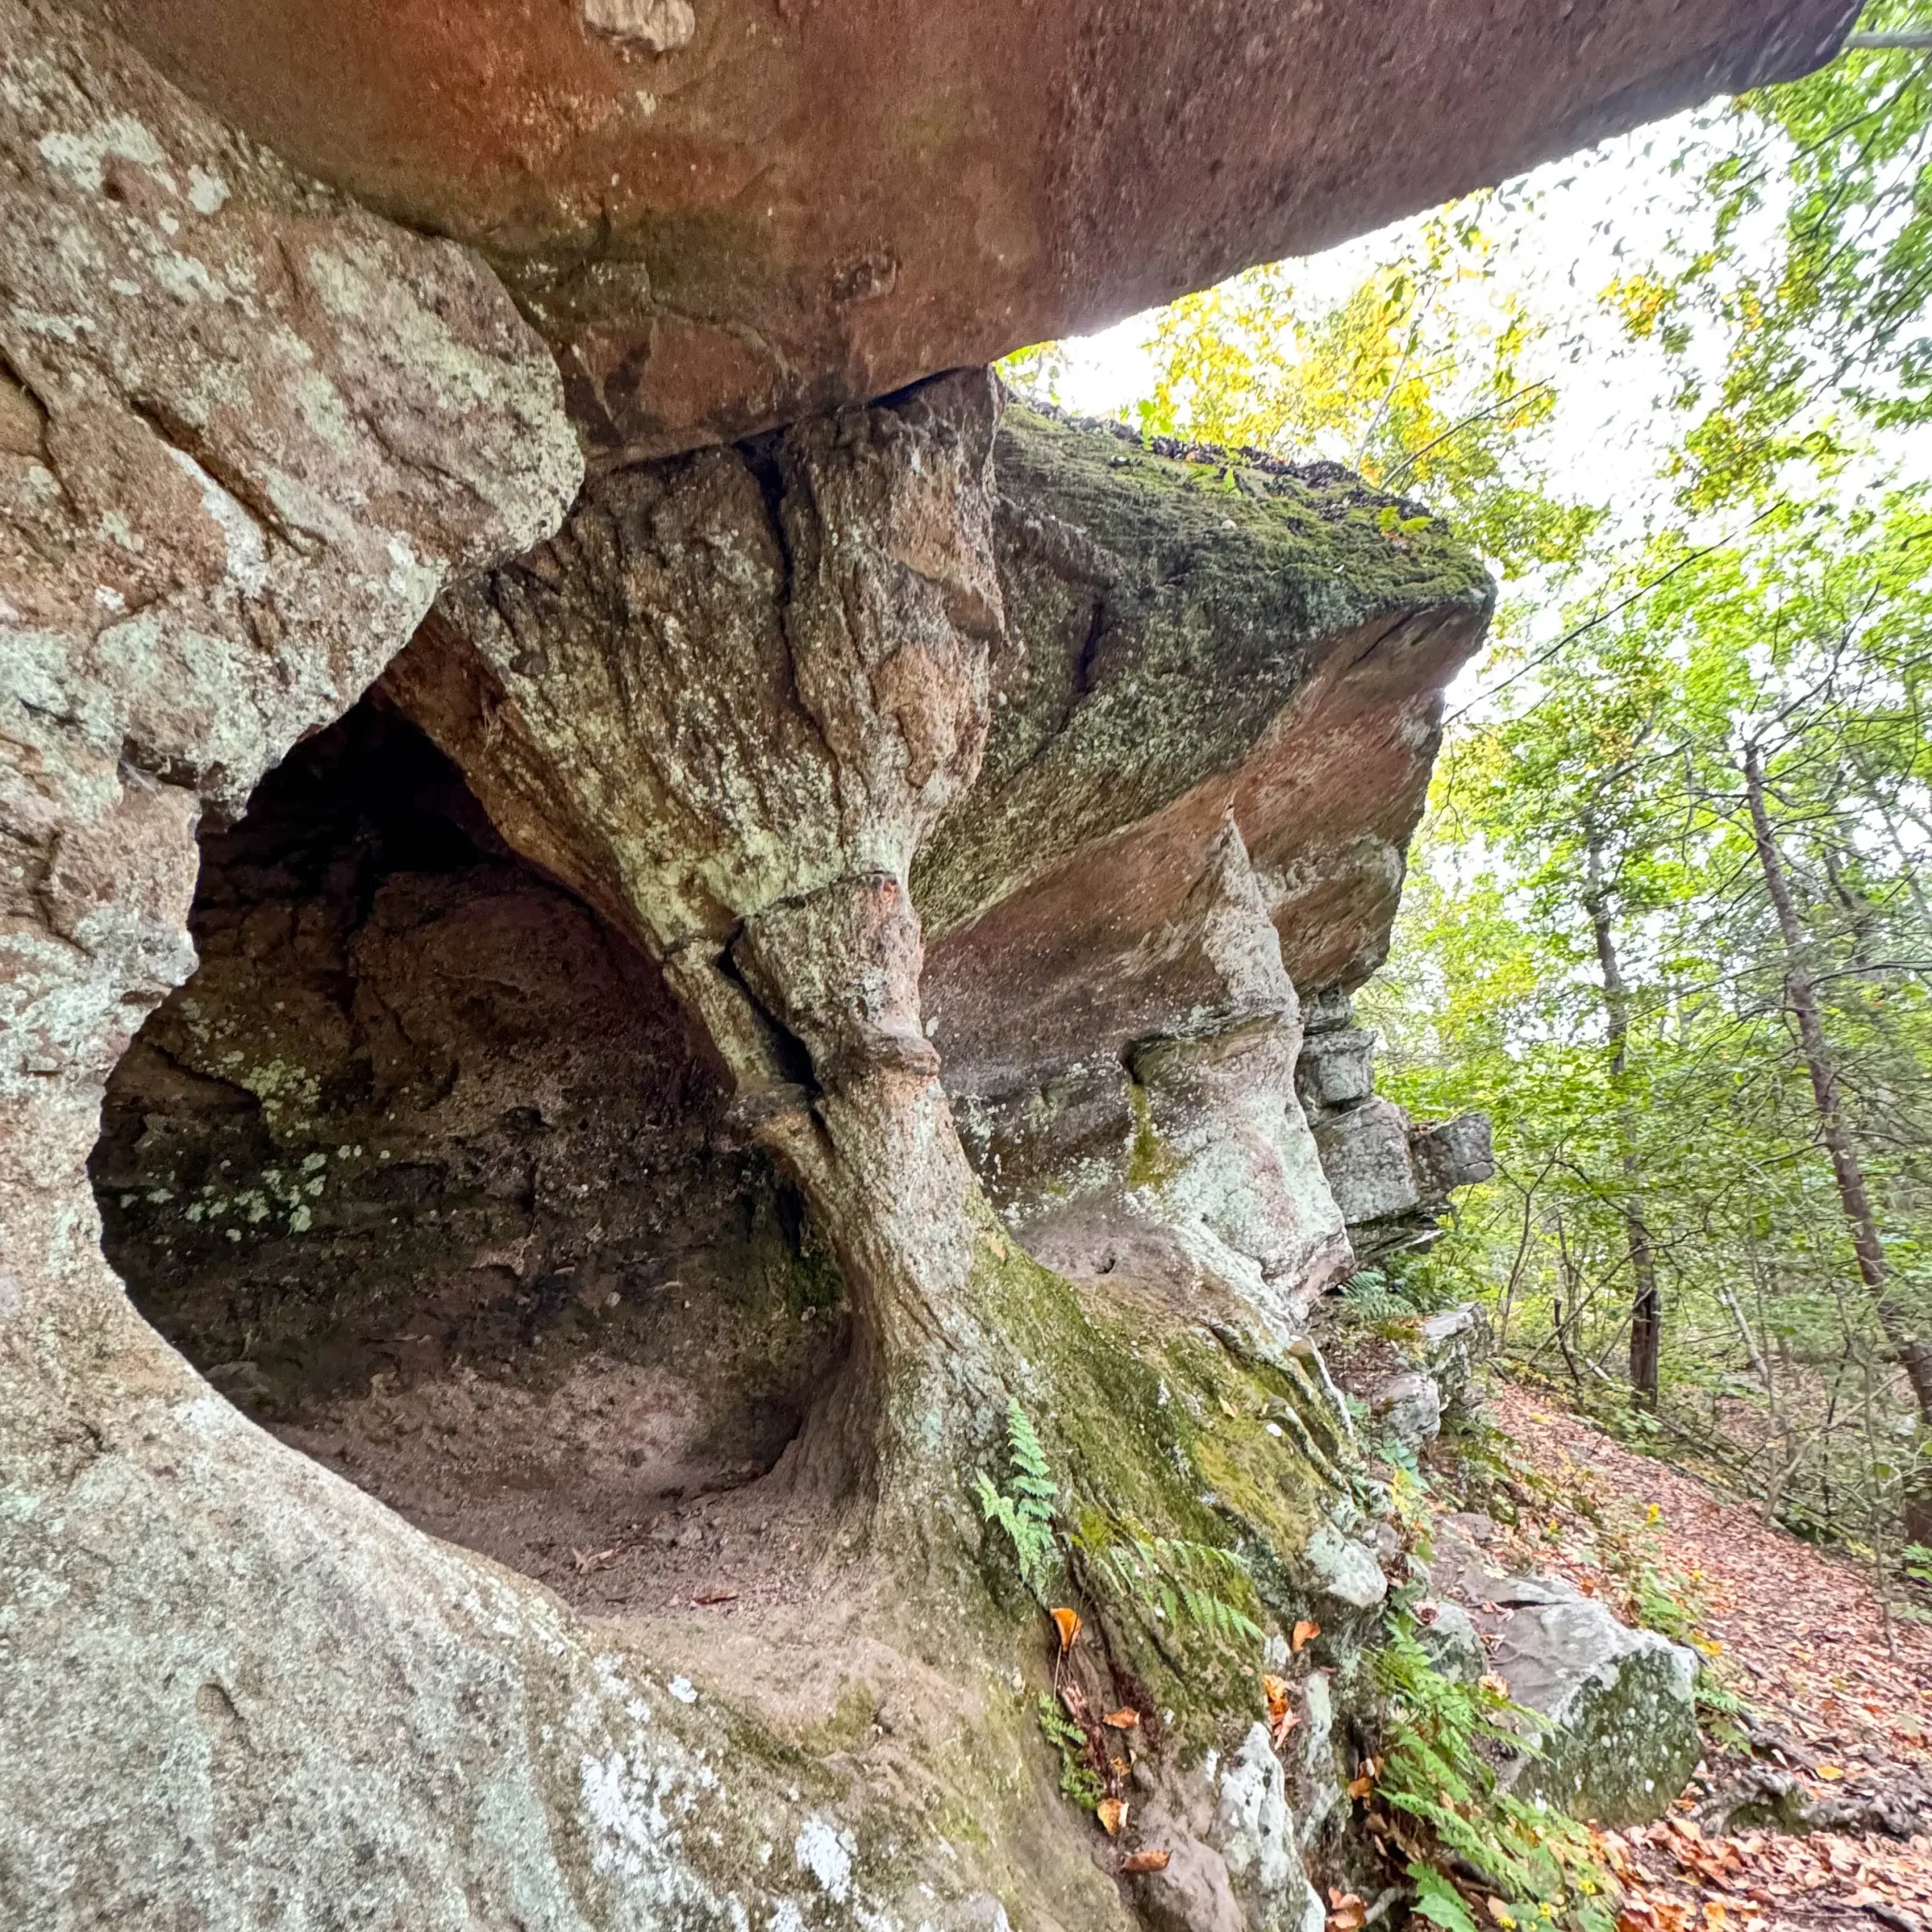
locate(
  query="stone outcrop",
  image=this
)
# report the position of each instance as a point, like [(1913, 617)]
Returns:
[(249, 431), (1621, 1738), (557, 1136), (1201, 776), (1391, 1179), (727, 214)]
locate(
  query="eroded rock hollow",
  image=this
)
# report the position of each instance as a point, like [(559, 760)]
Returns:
[(615, 1035)]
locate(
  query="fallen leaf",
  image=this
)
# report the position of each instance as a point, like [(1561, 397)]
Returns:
[(1362, 1786), (1067, 1621), (1277, 1690), (1501, 1913), (1112, 1812), (1145, 1861), (1126, 1718), (1831, 1772), (1495, 1686), (1305, 1634)]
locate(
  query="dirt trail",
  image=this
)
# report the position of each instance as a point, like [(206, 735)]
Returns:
[(1799, 1634)]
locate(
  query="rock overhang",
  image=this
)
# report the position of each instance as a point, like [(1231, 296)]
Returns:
[(1193, 642), (726, 213)]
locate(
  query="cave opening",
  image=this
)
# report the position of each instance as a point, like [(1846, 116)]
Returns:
[(425, 1171)]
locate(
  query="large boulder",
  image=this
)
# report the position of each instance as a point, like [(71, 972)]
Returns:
[(725, 214), (1210, 746), (1621, 1740)]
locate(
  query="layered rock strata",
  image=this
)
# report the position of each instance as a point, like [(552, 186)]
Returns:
[(1393, 1180), (772, 771), (248, 432)]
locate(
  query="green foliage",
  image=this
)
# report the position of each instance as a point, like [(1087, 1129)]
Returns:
[(1823, 324), (1078, 1780), (1170, 1579), (1173, 1579), (1026, 1511), (1439, 1901), (1368, 1299), (1424, 377), (1437, 1770), (1597, 812)]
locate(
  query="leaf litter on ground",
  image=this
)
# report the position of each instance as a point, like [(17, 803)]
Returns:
[(1836, 1694)]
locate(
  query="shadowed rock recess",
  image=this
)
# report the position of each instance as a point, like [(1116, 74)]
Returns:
[(569, 1049)]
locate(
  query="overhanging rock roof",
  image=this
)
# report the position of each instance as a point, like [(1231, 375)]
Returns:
[(726, 213)]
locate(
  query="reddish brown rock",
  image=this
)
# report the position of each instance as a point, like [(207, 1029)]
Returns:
[(727, 212)]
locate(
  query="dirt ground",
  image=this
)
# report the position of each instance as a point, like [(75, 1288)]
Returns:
[(1838, 1691)]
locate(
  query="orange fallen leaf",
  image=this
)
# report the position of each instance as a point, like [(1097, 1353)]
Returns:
[(1067, 1621), (1277, 1690), (1112, 1812), (1348, 1912), (1305, 1634), (1830, 1773), (1126, 1718), (1497, 1686), (1145, 1861), (1360, 1787)]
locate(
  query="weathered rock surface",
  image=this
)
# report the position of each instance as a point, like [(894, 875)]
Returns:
[(1391, 1179), (727, 213), (425, 1169), (1622, 1739), (1219, 720), (236, 1691), (550, 1129)]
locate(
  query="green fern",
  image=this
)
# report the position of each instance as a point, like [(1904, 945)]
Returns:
[(1026, 1512), (1368, 1297), (1438, 1769), (1181, 1581), (1078, 1780)]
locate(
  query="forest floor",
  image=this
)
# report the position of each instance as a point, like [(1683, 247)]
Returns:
[(1836, 1692)]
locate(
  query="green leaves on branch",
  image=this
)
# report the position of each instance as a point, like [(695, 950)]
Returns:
[(1438, 1770), (1824, 324), (1421, 377), (1179, 1581)]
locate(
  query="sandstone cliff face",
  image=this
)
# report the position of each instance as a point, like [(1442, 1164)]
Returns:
[(559, 1132), (1202, 774), (249, 431), (427, 1169)]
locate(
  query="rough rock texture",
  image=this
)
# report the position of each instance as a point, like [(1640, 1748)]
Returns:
[(1391, 1178), (1622, 1739), (541, 1133), (424, 1169), (1206, 759), (215, 532), (732, 723), (729, 213)]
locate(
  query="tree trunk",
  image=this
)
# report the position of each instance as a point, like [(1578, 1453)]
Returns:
[(1801, 1000), (1647, 1304)]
